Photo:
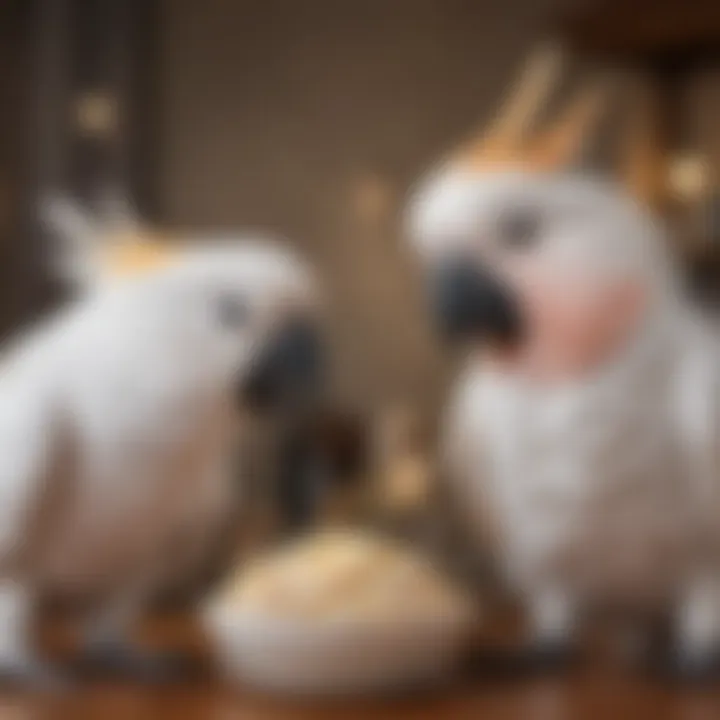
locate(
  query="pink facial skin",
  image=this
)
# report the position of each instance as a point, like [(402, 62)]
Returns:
[(574, 325)]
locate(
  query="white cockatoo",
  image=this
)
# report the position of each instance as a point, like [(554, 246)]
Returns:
[(118, 417), (582, 434), (93, 251)]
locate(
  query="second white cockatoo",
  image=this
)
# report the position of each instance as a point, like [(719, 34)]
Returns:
[(582, 436)]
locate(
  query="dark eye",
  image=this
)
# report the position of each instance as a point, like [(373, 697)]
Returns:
[(233, 312), (520, 229)]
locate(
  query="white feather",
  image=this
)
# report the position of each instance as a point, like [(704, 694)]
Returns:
[(138, 381)]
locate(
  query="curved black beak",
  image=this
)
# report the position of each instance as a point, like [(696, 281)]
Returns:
[(289, 371), (323, 454), (470, 302), (303, 479)]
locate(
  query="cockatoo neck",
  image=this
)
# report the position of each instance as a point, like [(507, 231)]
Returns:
[(655, 341)]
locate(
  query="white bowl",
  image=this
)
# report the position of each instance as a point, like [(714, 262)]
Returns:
[(335, 656)]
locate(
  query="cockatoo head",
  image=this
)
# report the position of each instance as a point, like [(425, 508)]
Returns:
[(554, 270), (245, 311)]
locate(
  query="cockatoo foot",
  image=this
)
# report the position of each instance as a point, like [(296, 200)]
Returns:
[(696, 669), (549, 656), (31, 675), (538, 657), (127, 662)]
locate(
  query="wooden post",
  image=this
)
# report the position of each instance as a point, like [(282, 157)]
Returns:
[(52, 44), (108, 61), (94, 97)]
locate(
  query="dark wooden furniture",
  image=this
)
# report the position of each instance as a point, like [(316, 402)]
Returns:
[(655, 32), (670, 41), (63, 64), (96, 98)]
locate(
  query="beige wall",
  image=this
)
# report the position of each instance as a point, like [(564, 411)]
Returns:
[(275, 111)]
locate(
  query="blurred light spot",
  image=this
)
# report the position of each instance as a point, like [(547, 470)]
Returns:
[(688, 177), (372, 198), (96, 114)]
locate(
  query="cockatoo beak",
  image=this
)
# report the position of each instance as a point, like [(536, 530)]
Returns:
[(538, 323), (288, 370), (470, 302)]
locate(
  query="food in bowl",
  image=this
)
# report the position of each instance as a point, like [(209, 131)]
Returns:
[(340, 611)]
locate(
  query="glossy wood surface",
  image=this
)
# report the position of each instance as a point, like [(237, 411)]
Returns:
[(595, 692)]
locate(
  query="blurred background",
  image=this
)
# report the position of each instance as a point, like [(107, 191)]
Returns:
[(311, 119)]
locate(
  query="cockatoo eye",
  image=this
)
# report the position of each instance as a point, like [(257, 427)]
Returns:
[(233, 312), (520, 229)]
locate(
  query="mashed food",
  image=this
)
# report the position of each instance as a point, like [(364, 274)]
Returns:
[(344, 575)]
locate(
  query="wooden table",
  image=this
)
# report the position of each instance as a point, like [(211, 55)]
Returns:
[(588, 694), (604, 697)]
